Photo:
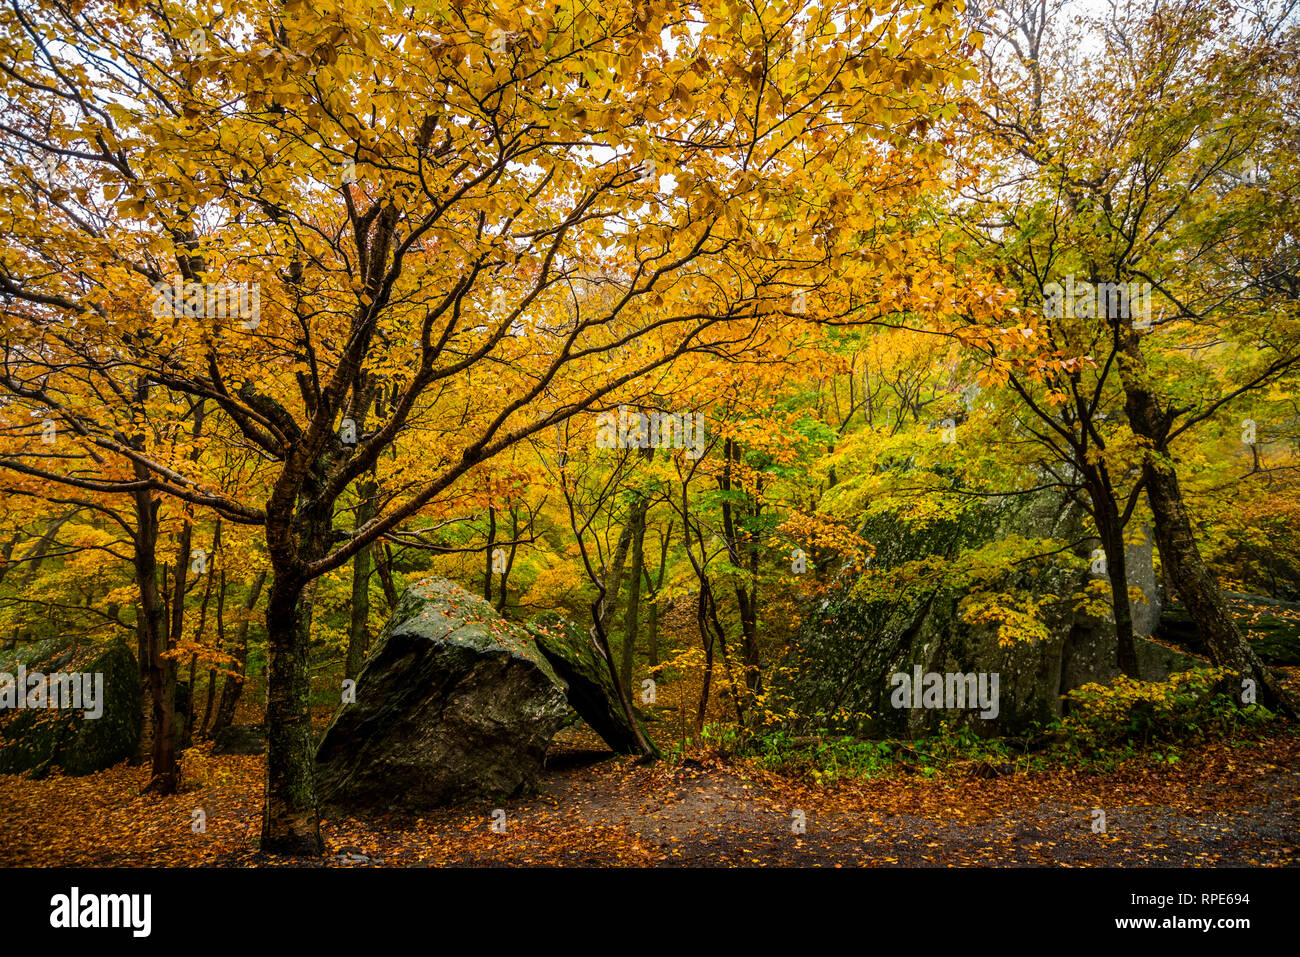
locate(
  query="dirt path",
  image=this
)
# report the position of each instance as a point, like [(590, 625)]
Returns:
[(1230, 804), (1233, 807)]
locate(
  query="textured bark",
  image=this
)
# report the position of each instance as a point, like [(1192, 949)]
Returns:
[(291, 818), (359, 614), (208, 583), (1111, 530), (165, 778), (487, 564), (1179, 554), (233, 686), (614, 579), (743, 554), (1200, 593), (633, 611), (290, 821), (384, 565), (205, 727)]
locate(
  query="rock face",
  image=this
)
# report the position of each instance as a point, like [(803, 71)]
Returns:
[(453, 704), (240, 739), (853, 643), (1272, 627), (591, 691), (1139, 563), (37, 736)]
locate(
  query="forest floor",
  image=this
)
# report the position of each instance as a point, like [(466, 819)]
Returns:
[(1230, 803)]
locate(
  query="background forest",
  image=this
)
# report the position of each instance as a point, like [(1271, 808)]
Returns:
[(969, 331)]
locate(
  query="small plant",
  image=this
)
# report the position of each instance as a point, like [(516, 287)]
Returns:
[(1191, 706), (826, 756)]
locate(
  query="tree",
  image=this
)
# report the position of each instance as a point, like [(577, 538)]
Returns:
[(404, 194), (1134, 176)]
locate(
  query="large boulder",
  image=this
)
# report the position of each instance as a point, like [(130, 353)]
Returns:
[(1271, 626), (240, 739), (1139, 563), (78, 706), (921, 611), (591, 692), (453, 704)]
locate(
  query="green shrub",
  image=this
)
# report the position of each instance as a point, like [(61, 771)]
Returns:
[(829, 757), (1191, 706)]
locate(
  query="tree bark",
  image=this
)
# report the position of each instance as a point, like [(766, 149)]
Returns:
[(221, 644), (615, 576), (491, 541), (187, 736), (1111, 529), (359, 616), (165, 772), (1179, 553), (291, 820), (384, 565), (156, 737), (1199, 591), (233, 686), (743, 554), (633, 611)]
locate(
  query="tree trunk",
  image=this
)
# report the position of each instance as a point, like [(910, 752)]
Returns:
[(644, 746), (151, 625), (187, 737), (1179, 553), (614, 579), (653, 590), (1111, 530), (359, 618), (743, 553), (1199, 591), (233, 686), (491, 541), (384, 565), (747, 600), (290, 821), (221, 644), (652, 628), (630, 618), (165, 774), (291, 818), (503, 589)]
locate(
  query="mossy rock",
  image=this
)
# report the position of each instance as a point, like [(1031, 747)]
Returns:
[(1270, 625), (838, 674), (453, 704), (36, 739), (590, 689)]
